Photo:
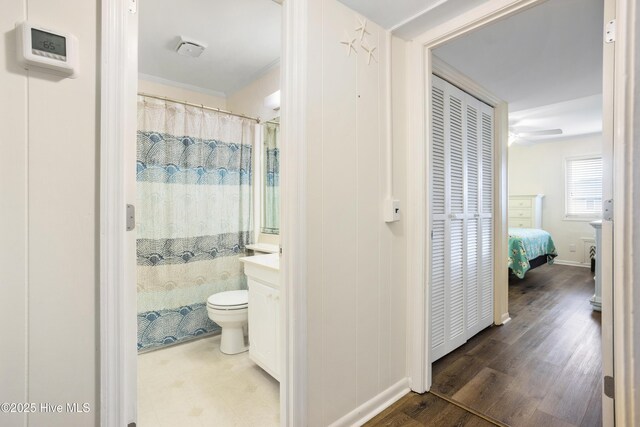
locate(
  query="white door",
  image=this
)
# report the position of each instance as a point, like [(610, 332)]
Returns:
[(478, 218), (461, 283), (607, 244)]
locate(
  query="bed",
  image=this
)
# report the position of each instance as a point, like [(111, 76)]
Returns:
[(529, 248)]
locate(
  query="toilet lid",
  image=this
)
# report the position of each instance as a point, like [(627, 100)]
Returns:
[(229, 298)]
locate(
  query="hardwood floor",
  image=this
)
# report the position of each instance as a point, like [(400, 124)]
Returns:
[(543, 368)]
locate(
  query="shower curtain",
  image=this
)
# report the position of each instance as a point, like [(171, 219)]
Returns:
[(271, 222), (194, 200)]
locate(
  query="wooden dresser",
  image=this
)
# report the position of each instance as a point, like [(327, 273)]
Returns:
[(525, 211)]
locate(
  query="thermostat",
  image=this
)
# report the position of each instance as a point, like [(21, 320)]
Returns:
[(48, 49)]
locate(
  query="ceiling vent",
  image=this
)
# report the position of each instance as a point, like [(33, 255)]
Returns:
[(188, 47)]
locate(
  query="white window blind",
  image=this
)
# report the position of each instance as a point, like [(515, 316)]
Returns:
[(584, 187)]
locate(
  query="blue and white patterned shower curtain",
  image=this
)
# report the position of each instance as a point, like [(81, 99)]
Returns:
[(194, 197)]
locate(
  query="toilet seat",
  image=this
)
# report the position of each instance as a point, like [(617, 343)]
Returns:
[(229, 300)]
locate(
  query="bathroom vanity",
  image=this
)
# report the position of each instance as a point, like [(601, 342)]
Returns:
[(263, 279)]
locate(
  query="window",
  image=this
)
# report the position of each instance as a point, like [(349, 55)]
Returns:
[(583, 187)]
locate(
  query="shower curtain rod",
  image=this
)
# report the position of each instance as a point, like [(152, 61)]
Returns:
[(204, 107)]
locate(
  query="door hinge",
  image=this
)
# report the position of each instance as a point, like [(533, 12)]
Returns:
[(131, 217), (609, 386), (607, 210), (610, 31), (133, 6)]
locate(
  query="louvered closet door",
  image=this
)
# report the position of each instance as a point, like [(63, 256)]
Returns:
[(458, 281), (474, 165), (447, 216), (486, 217)]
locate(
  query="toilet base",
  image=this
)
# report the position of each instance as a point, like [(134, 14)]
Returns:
[(232, 340)]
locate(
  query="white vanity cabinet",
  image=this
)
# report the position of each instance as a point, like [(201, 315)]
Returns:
[(264, 311)]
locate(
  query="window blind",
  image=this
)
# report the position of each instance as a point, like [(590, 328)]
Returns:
[(584, 187)]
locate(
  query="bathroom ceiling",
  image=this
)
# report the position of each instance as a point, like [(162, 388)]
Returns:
[(242, 37)]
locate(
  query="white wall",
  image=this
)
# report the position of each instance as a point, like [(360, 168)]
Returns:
[(539, 169), (250, 99), (356, 262), (181, 93), (48, 221)]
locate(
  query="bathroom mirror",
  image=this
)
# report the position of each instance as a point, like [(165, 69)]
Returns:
[(270, 223)]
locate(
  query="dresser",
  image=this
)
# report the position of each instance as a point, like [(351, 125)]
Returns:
[(525, 211)]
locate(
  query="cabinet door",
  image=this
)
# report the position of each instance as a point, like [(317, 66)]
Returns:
[(277, 353), (260, 297)]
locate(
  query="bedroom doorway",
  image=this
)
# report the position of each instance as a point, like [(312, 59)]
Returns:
[(549, 309)]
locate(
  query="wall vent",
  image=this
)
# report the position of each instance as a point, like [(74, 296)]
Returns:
[(188, 47)]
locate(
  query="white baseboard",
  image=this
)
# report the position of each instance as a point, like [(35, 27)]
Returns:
[(571, 263), (505, 318), (374, 406)]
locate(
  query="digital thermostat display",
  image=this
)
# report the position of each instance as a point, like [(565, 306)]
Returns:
[(47, 42), (47, 50)]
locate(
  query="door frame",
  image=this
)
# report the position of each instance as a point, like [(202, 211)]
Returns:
[(117, 300), (620, 128)]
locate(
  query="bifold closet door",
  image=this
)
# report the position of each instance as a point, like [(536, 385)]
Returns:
[(460, 290), (479, 215)]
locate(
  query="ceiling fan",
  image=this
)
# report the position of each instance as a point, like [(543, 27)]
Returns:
[(517, 135)]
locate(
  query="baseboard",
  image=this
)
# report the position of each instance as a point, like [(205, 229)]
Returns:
[(505, 318), (374, 406), (571, 263)]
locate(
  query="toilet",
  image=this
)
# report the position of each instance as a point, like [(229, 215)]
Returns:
[(230, 311)]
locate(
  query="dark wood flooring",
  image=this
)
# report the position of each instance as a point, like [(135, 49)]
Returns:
[(543, 368)]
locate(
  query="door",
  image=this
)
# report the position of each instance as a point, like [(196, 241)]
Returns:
[(607, 243), (264, 318), (461, 282)]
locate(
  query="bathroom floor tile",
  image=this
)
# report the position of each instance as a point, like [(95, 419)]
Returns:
[(194, 384)]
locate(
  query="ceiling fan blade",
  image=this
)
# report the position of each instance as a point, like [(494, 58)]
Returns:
[(540, 133)]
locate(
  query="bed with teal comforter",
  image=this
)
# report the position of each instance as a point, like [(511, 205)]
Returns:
[(528, 244)]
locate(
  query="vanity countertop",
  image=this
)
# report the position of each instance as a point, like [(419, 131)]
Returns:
[(270, 261), (264, 247)]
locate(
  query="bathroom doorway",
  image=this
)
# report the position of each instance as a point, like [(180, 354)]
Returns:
[(207, 213), (122, 98)]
